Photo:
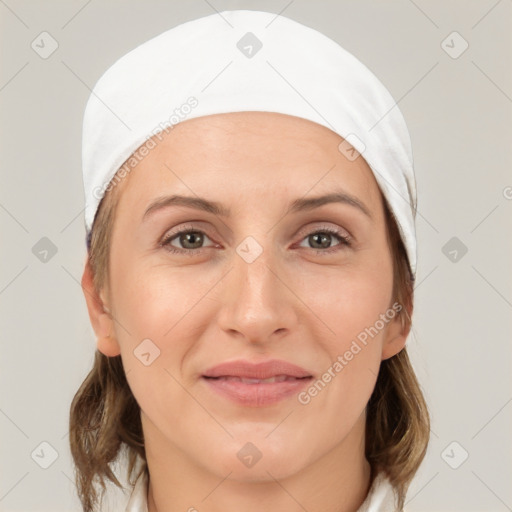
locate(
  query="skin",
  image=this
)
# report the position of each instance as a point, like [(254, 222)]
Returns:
[(294, 302)]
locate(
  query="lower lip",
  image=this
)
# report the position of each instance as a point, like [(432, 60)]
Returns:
[(257, 395)]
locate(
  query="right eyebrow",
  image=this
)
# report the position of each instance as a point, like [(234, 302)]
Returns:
[(299, 205), (198, 203)]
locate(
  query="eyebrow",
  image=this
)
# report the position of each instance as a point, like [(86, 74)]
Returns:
[(305, 204), (299, 205)]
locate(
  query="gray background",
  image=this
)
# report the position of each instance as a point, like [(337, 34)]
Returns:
[(459, 114)]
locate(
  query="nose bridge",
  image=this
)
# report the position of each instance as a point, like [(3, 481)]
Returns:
[(257, 302), (257, 278)]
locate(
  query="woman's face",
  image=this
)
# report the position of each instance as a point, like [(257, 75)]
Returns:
[(270, 273)]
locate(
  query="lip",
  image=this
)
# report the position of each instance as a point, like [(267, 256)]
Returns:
[(261, 370), (225, 379)]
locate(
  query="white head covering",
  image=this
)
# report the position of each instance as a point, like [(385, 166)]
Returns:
[(247, 61)]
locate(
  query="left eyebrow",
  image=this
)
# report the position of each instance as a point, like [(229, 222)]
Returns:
[(303, 204), (299, 205)]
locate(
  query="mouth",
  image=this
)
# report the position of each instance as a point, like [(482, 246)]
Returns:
[(269, 380), (256, 385)]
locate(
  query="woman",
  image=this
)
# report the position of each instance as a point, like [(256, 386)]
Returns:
[(250, 205)]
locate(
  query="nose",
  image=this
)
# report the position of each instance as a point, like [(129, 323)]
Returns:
[(258, 304)]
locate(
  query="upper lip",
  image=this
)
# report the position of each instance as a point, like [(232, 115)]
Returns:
[(261, 370)]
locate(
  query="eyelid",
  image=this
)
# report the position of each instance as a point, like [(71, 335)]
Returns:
[(331, 228), (170, 235), (345, 240), (345, 237), (186, 227)]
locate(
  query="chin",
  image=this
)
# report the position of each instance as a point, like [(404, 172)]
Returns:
[(258, 461)]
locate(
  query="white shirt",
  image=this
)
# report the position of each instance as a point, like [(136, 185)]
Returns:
[(379, 499)]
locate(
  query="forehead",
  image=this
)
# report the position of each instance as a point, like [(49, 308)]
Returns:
[(264, 152), (268, 136)]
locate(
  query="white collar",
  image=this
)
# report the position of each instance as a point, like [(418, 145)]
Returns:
[(379, 499)]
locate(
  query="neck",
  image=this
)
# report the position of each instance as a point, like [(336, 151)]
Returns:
[(338, 481)]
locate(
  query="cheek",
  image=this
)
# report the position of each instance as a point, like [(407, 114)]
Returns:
[(349, 307), (348, 300), (161, 310), (348, 375), (152, 299), (162, 304)]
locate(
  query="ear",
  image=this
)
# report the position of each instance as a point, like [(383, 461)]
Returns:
[(101, 319), (396, 333)]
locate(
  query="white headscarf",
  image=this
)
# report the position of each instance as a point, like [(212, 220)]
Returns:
[(245, 60)]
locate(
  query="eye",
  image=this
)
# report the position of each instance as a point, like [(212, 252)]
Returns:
[(321, 239), (191, 240)]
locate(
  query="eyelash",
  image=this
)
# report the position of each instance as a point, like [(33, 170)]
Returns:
[(345, 241)]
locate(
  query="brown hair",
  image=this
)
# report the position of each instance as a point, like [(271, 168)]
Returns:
[(397, 421), (105, 416)]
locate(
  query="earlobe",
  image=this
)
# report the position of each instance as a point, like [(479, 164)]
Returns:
[(106, 340), (100, 317), (393, 346), (396, 335)]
